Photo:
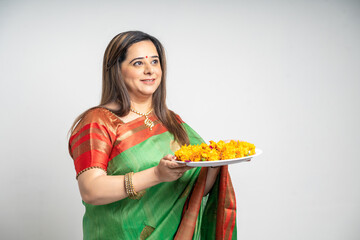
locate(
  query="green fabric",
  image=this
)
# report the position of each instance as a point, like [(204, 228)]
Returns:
[(161, 207), (197, 232), (208, 228)]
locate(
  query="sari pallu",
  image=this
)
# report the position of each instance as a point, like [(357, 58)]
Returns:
[(166, 211)]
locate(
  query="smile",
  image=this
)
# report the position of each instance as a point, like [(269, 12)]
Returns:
[(148, 80)]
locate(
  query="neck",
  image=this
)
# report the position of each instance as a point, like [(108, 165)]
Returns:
[(142, 106)]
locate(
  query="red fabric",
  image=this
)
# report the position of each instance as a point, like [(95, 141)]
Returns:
[(91, 142), (188, 221), (226, 209), (100, 136), (221, 204), (137, 136), (87, 160)]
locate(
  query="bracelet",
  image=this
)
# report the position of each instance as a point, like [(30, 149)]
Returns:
[(129, 187)]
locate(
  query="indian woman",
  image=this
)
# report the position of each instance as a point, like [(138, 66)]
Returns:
[(123, 152)]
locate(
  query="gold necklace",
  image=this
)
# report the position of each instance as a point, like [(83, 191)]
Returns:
[(147, 122)]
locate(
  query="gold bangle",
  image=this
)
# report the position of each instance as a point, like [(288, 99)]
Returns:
[(129, 187)]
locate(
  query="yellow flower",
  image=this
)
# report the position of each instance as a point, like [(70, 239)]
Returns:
[(215, 151)]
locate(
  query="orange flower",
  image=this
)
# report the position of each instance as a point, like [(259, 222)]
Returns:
[(215, 151)]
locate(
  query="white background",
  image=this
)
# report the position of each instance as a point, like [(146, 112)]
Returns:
[(283, 75)]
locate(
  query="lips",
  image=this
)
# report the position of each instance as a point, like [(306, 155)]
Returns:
[(150, 80)]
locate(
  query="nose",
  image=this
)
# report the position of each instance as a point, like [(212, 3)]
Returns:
[(149, 69)]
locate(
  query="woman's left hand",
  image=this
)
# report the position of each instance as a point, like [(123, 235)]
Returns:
[(168, 170)]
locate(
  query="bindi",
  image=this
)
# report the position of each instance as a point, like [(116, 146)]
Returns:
[(146, 56)]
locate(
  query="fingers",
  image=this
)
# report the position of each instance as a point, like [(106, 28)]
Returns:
[(177, 169), (180, 166), (169, 157), (174, 165), (188, 168), (182, 170), (169, 161)]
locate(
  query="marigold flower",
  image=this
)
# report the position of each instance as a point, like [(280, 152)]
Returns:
[(215, 151)]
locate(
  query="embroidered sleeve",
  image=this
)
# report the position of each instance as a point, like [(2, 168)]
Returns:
[(91, 143)]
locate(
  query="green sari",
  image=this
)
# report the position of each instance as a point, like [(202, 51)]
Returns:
[(169, 210)]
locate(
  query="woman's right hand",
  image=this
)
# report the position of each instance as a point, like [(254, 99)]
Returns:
[(168, 170)]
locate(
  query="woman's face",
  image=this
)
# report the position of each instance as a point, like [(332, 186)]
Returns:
[(141, 70)]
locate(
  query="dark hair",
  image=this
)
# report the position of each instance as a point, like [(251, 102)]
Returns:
[(114, 88)]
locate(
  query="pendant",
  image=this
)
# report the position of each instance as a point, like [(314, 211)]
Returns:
[(148, 123)]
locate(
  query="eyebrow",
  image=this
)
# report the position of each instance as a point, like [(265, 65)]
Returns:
[(143, 58)]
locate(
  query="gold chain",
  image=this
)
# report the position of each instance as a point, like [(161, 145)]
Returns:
[(147, 122)]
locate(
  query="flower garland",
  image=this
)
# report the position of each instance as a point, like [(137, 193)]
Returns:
[(215, 151)]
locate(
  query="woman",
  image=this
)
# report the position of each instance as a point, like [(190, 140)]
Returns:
[(123, 154)]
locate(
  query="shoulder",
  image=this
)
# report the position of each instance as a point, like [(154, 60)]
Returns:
[(99, 114), (98, 117), (177, 117), (194, 137)]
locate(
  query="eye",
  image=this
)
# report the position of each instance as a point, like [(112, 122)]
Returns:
[(137, 63), (155, 61)]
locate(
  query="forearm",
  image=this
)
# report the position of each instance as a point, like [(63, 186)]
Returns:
[(211, 178), (98, 189)]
